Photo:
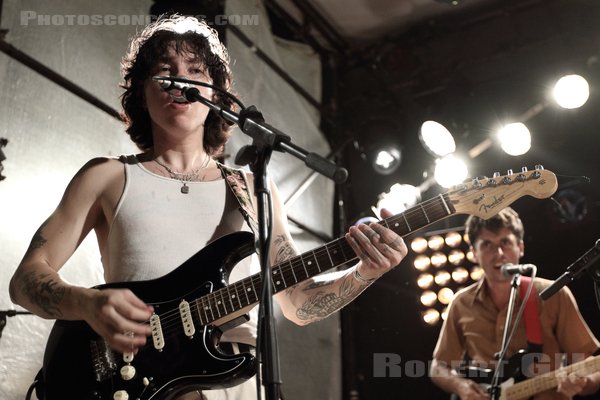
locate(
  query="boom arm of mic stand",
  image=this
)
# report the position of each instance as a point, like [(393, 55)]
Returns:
[(573, 271), (267, 134)]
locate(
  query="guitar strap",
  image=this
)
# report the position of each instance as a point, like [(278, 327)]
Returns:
[(531, 315), (236, 180)]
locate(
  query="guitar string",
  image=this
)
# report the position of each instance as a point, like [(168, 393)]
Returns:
[(548, 380), (208, 301), (218, 301), (212, 300), (172, 318)]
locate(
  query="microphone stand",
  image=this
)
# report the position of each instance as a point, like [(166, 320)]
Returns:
[(9, 313), (495, 384), (574, 271), (265, 139)]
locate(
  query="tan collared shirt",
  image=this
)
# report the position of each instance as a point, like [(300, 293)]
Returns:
[(474, 327)]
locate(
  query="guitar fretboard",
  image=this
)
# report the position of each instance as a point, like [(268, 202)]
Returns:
[(533, 386), (246, 292)]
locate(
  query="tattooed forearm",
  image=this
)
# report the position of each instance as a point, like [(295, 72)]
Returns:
[(322, 304), (285, 250), (43, 291), (314, 285)]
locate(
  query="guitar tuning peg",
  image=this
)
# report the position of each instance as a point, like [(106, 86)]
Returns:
[(539, 167), (496, 174), (523, 169), (509, 172)]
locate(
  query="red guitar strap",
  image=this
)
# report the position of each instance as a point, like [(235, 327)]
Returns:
[(531, 315)]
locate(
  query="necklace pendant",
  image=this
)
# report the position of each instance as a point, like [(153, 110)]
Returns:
[(185, 189)]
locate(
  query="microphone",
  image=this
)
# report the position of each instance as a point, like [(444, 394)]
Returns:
[(170, 86), (510, 269)]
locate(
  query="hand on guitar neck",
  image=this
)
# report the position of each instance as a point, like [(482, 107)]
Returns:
[(581, 378)]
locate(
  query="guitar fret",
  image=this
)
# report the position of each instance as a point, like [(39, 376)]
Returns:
[(212, 314), (304, 265), (282, 274), (273, 282), (223, 302), (329, 255), (338, 254), (313, 260), (445, 204), (245, 292), (237, 295), (425, 214), (254, 289), (200, 307), (275, 274), (230, 298), (341, 247), (408, 229), (217, 302), (293, 272)]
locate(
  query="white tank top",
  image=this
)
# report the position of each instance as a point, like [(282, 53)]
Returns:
[(156, 228)]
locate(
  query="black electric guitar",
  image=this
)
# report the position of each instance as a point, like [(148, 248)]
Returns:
[(192, 302), (517, 387)]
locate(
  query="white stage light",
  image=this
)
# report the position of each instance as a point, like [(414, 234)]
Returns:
[(571, 91), (436, 139), (515, 139), (450, 171)]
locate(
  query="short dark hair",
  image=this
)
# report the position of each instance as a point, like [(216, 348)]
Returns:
[(184, 34), (506, 218)]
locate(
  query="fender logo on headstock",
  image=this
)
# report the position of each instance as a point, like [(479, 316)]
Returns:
[(495, 203), (487, 197)]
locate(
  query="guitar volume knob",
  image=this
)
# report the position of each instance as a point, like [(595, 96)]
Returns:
[(127, 372), (120, 395)]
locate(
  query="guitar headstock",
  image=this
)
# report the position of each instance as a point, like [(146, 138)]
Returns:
[(486, 197)]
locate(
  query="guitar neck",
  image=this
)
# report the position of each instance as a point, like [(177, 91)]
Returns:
[(533, 386), (483, 198), (246, 292)]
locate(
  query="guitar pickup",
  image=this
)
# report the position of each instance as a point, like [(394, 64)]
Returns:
[(157, 333), (186, 319)]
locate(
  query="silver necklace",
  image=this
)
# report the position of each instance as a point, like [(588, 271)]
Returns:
[(184, 178)]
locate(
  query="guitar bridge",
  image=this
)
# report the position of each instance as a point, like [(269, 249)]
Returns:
[(103, 359)]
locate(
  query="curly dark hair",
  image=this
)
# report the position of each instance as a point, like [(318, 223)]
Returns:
[(184, 34), (506, 218)]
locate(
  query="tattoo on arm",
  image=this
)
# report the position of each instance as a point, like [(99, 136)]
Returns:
[(285, 250), (322, 304), (38, 239), (44, 292)]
